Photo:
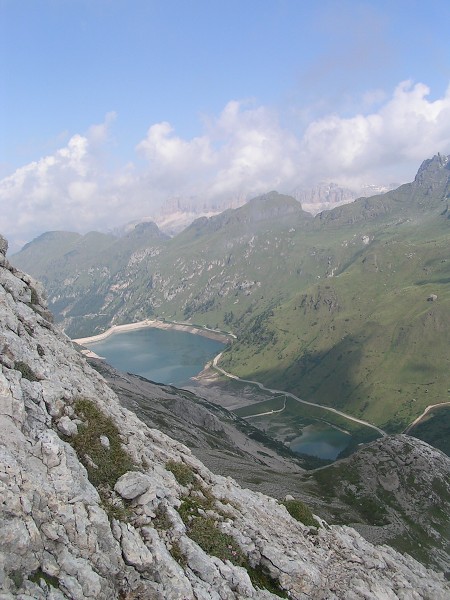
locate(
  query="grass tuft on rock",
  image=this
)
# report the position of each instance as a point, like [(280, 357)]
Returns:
[(26, 370), (177, 554), (204, 530), (104, 465), (50, 580), (183, 474), (162, 521), (34, 295), (16, 577), (300, 512)]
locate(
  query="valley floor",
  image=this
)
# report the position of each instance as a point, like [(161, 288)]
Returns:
[(289, 395)]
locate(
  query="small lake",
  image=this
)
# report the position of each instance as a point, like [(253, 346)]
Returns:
[(320, 440), (161, 355), (173, 357)]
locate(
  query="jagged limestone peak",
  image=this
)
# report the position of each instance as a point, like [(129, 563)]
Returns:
[(434, 169), (3, 246)]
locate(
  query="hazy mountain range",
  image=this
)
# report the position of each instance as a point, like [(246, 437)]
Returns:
[(179, 212)]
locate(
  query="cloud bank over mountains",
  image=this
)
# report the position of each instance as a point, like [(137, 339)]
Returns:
[(242, 152)]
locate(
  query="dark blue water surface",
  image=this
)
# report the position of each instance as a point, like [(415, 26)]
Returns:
[(161, 355), (321, 440)]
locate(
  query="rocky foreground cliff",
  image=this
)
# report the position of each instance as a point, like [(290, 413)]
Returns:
[(95, 504)]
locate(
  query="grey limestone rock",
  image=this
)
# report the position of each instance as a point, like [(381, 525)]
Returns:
[(3, 245), (134, 550), (132, 484), (67, 427), (104, 440)]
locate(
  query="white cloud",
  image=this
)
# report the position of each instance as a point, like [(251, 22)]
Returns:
[(406, 129), (99, 133), (241, 152), (373, 97), (173, 161), (55, 192), (244, 149)]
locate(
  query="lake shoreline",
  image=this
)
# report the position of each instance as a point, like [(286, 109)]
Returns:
[(156, 324)]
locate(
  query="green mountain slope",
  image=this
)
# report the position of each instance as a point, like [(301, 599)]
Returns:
[(367, 340), (82, 274), (333, 308), (214, 266)]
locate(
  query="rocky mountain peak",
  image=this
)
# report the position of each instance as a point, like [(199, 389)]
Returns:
[(400, 475), (260, 210), (279, 203), (3, 246), (269, 207), (147, 228), (434, 171)]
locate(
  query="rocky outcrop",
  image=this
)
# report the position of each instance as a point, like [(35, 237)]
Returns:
[(434, 172), (135, 515), (399, 487)]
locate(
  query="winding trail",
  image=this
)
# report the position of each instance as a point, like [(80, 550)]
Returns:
[(270, 412), (420, 417), (264, 388)]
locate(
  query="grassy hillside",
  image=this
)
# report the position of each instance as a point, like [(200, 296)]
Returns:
[(367, 340), (82, 274), (434, 428)]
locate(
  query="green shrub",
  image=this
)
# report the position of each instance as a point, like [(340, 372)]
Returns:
[(205, 532), (300, 512), (110, 463), (50, 580), (183, 474), (26, 370), (161, 522)]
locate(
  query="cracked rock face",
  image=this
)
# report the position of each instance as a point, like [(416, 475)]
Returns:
[(133, 537), (407, 483)]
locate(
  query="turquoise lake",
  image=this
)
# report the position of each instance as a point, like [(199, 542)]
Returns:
[(163, 356), (321, 441)]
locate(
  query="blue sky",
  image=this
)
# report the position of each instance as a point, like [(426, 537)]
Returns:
[(111, 103)]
